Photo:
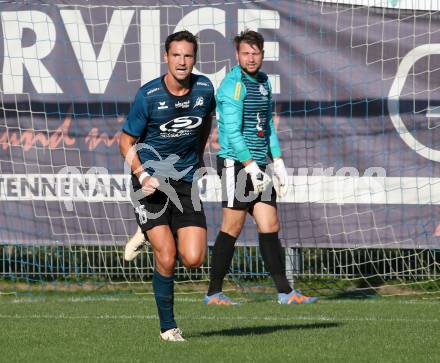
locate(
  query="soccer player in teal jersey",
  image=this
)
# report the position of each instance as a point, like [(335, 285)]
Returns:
[(247, 138), (163, 140)]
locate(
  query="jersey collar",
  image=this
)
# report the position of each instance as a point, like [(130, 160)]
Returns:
[(192, 82)]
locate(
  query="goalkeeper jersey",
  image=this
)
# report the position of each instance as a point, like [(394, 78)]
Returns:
[(244, 112)]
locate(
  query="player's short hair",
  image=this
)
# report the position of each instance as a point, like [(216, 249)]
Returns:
[(179, 36), (250, 37)]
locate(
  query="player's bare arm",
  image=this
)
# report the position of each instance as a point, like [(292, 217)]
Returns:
[(128, 152)]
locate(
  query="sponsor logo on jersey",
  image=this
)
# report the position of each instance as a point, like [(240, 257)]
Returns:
[(199, 102), (162, 105), (180, 126), (183, 104), (204, 84), (152, 91)]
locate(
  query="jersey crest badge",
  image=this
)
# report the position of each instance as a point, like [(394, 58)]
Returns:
[(199, 102), (263, 90)]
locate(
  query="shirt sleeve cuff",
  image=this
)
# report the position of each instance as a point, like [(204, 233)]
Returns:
[(244, 155)]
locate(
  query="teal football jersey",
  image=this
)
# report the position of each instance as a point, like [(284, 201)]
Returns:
[(244, 110)]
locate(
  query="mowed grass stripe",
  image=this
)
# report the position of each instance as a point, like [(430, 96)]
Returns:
[(218, 318)]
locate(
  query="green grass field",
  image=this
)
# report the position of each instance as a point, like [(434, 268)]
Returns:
[(124, 328)]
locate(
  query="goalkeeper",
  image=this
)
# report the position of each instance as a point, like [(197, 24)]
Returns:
[(247, 137)]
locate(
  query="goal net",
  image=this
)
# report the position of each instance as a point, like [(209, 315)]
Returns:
[(356, 103)]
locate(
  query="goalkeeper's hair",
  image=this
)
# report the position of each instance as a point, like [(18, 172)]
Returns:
[(250, 37), (179, 36)]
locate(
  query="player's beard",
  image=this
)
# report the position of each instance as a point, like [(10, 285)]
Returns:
[(252, 73)]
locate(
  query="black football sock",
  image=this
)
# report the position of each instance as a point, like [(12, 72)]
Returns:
[(222, 254), (272, 253)]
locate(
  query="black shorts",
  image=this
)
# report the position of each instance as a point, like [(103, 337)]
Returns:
[(159, 209), (237, 189)]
